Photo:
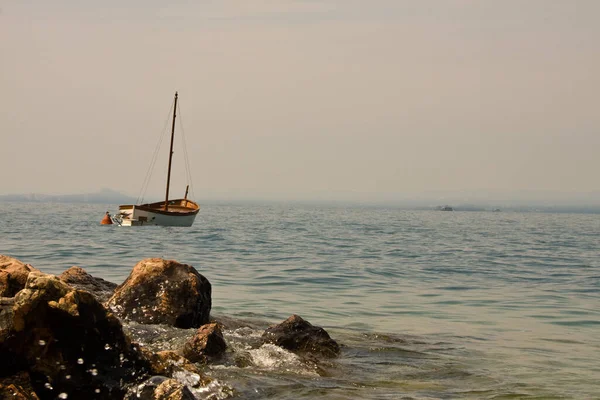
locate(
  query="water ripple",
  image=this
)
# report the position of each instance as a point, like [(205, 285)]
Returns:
[(516, 288)]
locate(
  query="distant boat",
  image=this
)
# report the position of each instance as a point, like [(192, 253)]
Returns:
[(177, 212), (446, 208)]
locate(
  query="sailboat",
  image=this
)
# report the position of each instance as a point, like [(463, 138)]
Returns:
[(170, 212)]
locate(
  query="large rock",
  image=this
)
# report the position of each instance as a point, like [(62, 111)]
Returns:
[(13, 275), (300, 336), (79, 279), (163, 292), (67, 342), (207, 341)]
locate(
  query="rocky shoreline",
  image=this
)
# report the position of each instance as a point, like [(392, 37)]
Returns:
[(63, 337)]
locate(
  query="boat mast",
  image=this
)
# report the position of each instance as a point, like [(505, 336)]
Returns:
[(171, 154)]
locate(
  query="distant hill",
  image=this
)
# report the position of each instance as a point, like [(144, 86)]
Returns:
[(105, 196)]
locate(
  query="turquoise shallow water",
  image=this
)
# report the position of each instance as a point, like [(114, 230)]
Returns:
[(427, 304)]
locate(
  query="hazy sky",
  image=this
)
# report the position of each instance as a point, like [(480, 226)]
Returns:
[(301, 98)]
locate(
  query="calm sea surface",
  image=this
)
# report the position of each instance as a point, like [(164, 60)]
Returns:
[(427, 304)]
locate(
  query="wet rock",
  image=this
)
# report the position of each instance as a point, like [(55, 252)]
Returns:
[(6, 316), (207, 341), (160, 388), (300, 336), (13, 275), (17, 387), (163, 292), (68, 343), (169, 363), (78, 278)]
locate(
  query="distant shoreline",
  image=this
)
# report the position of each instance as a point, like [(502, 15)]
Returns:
[(105, 196), (112, 198)]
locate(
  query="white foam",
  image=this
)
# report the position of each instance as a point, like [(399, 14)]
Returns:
[(271, 357)]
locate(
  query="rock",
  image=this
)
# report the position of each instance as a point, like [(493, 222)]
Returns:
[(79, 279), (17, 387), (68, 343), (207, 341), (161, 291), (169, 363), (13, 275), (160, 388), (299, 336), (6, 316)]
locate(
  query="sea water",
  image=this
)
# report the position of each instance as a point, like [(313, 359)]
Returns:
[(426, 304)]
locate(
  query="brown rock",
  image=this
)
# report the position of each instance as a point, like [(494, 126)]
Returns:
[(207, 341), (6, 316), (173, 390), (300, 336), (168, 362), (17, 387), (160, 388), (163, 292), (13, 275), (65, 338), (78, 278)]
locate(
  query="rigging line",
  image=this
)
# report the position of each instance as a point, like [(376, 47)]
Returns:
[(188, 170), (146, 180)]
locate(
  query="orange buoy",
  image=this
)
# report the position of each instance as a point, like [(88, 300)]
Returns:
[(106, 220)]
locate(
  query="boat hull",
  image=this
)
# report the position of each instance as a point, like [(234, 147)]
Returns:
[(180, 212)]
